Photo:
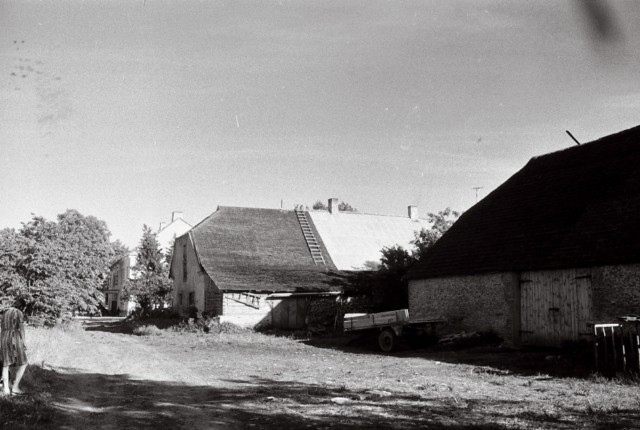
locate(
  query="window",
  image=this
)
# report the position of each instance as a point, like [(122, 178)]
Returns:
[(184, 263), (115, 278), (192, 300), (180, 299)]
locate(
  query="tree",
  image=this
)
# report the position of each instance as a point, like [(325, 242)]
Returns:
[(150, 285), (346, 207), (56, 267), (318, 205), (343, 206), (389, 286), (426, 238)]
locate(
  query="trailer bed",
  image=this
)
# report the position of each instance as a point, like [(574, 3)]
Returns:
[(354, 322)]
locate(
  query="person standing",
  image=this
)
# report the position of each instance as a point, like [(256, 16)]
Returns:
[(12, 349)]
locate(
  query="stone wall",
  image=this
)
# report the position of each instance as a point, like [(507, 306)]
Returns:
[(195, 279), (468, 303), (616, 292)]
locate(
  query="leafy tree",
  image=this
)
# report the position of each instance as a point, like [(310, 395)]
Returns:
[(346, 207), (343, 206), (168, 254), (318, 205), (396, 261), (426, 238), (56, 267), (150, 285)]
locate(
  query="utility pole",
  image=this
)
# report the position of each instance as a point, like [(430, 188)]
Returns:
[(477, 188)]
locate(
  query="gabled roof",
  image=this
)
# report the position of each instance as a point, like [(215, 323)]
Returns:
[(259, 250), (169, 232), (578, 207), (354, 240)]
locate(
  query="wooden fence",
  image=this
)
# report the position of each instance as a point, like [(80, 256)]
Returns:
[(617, 347)]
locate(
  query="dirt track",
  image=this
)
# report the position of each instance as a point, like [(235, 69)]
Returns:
[(107, 380)]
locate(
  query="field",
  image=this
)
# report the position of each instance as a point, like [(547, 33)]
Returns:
[(103, 376)]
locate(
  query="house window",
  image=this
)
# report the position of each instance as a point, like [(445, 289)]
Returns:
[(180, 299), (192, 300), (115, 278), (184, 263)]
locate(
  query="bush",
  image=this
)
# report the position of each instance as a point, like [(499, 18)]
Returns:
[(208, 325), (147, 330)]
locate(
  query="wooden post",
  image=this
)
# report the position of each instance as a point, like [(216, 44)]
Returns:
[(596, 346), (613, 347)]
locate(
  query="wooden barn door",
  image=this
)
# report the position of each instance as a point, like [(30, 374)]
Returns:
[(555, 306), (290, 313)]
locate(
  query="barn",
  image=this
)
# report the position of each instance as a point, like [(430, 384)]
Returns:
[(279, 268), (552, 250)]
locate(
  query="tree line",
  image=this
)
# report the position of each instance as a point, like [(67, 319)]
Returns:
[(56, 267), (61, 267)]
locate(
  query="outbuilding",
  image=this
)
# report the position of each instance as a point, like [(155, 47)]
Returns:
[(279, 268), (553, 249)]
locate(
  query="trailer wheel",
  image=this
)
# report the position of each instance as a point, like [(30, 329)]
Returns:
[(387, 340)]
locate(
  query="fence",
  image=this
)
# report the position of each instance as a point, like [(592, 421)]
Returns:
[(617, 347)]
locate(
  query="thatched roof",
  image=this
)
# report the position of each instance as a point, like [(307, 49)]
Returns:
[(578, 207), (260, 250)]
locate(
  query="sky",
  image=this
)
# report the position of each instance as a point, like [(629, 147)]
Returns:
[(129, 110)]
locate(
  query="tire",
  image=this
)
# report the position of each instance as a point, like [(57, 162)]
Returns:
[(387, 340)]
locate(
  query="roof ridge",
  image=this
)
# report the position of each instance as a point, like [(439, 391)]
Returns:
[(366, 213), (581, 146)]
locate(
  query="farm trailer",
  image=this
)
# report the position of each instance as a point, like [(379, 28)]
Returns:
[(392, 326)]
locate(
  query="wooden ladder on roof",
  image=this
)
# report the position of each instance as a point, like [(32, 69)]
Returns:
[(310, 238)]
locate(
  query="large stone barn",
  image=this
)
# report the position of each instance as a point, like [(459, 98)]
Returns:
[(278, 268), (554, 248)]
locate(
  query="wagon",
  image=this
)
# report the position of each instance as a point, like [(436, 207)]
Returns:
[(392, 326)]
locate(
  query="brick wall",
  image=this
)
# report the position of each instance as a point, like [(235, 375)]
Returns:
[(468, 303), (616, 291)]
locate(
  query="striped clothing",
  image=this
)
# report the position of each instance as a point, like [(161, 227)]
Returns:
[(12, 347)]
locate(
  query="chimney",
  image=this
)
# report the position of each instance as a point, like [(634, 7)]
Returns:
[(176, 215), (413, 212), (333, 205), (162, 225)]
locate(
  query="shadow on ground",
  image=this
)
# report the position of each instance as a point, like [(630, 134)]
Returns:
[(97, 401), (125, 326), (558, 363)]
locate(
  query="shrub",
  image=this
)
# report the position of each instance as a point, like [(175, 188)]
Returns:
[(147, 330)]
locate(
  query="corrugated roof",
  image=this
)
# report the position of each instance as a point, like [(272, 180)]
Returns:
[(354, 239), (578, 207), (260, 250)]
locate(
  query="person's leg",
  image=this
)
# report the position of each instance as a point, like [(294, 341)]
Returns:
[(16, 384), (5, 378)]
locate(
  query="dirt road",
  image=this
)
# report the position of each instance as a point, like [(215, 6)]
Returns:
[(101, 379)]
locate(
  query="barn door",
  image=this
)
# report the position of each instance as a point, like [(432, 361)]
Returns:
[(290, 313), (555, 306)]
